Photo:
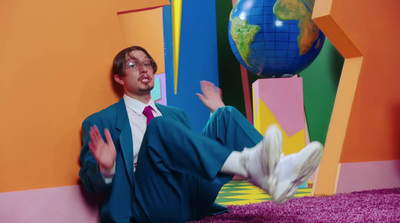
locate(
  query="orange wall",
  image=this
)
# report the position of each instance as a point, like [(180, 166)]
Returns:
[(55, 63), (365, 125), (145, 28), (374, 125)]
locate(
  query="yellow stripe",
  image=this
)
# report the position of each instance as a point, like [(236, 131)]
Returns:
[(176, 6)]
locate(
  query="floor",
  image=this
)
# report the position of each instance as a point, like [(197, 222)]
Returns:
[(239, 192)]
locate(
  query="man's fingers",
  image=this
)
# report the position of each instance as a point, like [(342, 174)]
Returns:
[(92, 148), (201, 97), (95, 137), (93, 132), (205, 85), (202, 87), (108, 137), (96, 132), (209, 89)]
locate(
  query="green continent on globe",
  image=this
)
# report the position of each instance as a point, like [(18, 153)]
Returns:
[(243, 35), (301, 11)]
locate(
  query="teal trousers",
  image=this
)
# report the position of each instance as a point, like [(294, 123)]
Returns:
[(177, 177)]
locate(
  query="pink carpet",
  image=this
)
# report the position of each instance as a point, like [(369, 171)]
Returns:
[(365, 206)]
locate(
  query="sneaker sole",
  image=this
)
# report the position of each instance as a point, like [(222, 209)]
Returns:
[(272, 144), (310, 159)]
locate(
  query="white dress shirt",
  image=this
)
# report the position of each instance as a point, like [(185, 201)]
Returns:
[(138, 123)]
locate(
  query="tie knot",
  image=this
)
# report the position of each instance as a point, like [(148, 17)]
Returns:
[(148, 113)]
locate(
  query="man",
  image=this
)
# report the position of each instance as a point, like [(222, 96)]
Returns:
[(161, 170)]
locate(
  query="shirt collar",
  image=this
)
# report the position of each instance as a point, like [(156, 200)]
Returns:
[(138, 106)]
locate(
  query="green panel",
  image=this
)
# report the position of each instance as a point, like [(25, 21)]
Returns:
[(320, 83)]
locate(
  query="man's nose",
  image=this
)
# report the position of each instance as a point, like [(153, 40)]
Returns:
[(142, 68)]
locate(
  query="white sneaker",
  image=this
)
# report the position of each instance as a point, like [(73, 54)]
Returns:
[(262, 160), (295, 169)]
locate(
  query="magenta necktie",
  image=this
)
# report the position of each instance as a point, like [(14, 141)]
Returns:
[(148, 113)]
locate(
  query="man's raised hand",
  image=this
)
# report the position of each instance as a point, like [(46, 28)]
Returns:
[(103, 152), (211, 97)]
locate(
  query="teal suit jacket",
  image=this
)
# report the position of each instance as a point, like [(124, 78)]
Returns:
[(118, 196)]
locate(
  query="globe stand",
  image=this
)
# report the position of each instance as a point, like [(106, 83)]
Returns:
[(280, 101)]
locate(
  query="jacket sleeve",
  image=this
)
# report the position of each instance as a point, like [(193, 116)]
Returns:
[(90, 173)]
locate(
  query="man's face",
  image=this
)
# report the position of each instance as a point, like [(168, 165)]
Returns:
[(139, 77)]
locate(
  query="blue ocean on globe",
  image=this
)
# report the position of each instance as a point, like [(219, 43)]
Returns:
[(274, 38)]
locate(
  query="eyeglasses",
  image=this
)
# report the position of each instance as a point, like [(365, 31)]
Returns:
[(134, 65)]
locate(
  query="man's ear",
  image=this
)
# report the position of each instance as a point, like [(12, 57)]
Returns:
[(118, 79)]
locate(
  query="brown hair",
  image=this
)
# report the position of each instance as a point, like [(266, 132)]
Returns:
[(119, 60)]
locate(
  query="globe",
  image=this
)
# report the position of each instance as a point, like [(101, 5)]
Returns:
[(274, 38)]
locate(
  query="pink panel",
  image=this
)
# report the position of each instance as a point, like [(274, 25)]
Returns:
[(368, 175), (59, 204), (163, 99), (284, 97)]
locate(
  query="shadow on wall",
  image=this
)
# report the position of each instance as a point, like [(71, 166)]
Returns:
[(92, 200), (336, 66)]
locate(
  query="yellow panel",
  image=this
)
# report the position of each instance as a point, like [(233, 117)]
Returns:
[(264, 118)]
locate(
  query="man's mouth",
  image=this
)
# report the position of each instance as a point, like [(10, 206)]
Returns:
[(145, 79)]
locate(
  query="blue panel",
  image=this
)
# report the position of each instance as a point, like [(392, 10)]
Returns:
[(168, 53), (198, 58)]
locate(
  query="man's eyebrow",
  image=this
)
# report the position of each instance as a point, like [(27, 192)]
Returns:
[(132, 58), (136, 59)]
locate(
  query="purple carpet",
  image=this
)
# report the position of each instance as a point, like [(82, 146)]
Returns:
[(365, 206)]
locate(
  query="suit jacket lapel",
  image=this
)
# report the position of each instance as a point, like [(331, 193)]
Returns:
[(125, 138)]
